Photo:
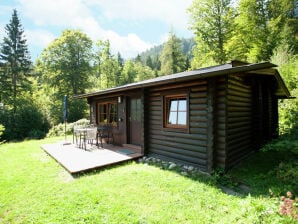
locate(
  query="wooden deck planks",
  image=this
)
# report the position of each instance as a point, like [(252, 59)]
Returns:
[(76, 160)]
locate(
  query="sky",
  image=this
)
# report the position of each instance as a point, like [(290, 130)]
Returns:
[(132, 26)]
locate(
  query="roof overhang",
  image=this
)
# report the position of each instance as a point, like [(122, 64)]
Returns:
[(264, 68)]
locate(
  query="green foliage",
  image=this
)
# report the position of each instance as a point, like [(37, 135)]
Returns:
[(143, 72), (2, 129), (128, 73), (26, 122), (172, 58), (260, 27), (250, 30), (15, 63), (135, 72), (65, 66), (109, 67), (288, 67), (212, 23), (59, 129)]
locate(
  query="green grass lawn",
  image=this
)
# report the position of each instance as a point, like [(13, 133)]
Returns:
[(35, 189)]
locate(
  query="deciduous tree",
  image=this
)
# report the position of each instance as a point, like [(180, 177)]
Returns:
[(212, 23), (109, 66), (66, 66)]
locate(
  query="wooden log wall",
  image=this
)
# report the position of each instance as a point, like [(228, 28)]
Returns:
[(220, 118), (189, 147), (240, 119)]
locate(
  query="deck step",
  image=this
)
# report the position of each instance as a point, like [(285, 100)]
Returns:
[(131, 146)]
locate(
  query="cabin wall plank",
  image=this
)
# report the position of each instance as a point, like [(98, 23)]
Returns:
[(188, 146), (240, 119)]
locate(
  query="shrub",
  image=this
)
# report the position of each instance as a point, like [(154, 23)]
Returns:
[(2, 128), (25, 120), (36, 134), (59, 130)]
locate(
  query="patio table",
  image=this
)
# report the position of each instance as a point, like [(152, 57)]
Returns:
[(86, 134)]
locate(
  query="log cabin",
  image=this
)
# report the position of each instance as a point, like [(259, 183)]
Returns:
[(210, 117)]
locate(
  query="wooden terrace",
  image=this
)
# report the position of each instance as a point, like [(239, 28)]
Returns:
[(76, 160)]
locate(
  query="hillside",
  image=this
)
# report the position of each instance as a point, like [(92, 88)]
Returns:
[(154, 52)]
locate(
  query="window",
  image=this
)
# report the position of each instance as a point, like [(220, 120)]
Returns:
[(176, 111), (108, 113)]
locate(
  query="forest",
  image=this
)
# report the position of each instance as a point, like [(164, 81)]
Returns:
[(31, 93)]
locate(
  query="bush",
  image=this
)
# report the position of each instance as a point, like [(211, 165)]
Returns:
[(2, 128), (27, 121), (59, 130), (36, 134)]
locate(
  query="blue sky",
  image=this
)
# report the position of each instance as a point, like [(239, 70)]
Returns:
[(132, 26)]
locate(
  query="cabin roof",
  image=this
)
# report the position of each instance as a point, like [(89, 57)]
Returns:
[(232, 68)]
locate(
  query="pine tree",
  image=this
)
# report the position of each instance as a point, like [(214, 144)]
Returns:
[(172, 58), (15, 61)]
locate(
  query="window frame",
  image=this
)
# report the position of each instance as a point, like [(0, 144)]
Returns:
[(108, 104), (166, 111)]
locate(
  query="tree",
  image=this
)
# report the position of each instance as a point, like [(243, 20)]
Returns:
[(15, 62), (143, 72), (149, 62), (65, 67), (109, 67), (212, 22), (128, 73), (172, 58), (260, 27)]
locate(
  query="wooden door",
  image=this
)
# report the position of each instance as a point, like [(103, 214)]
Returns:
[(135, 121)]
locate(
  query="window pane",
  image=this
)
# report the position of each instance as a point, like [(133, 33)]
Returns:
[(182, 105), (173, 105), (103, 118), (112, 108), (103, 108), (181, 118), (133, 104), (172, 118), (138, 104)]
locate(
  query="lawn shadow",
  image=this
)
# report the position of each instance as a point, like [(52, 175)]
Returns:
[(267, 173)]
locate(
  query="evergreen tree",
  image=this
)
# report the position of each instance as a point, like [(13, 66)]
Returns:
[(15, 62), (149, 62), (138, 59), (172, 58), (120, 60)]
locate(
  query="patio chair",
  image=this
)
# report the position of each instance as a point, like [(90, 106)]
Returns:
[(91, 134), (76, 134), (105, 132)]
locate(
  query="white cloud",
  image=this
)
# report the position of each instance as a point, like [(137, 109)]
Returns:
[(172, 12), (39, 38), (76, 14), (55, 13)]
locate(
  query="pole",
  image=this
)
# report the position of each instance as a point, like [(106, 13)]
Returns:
[(65, 118)]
